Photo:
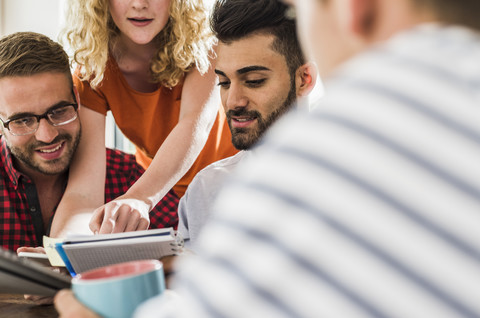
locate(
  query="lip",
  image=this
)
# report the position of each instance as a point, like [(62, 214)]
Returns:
[(242, 122), (54, 151), (140, 21)]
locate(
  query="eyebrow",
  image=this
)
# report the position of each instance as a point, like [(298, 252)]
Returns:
[(245, 70), (218, 72), (252, 69), (23, 114)]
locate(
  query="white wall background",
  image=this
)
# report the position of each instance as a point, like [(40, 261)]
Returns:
[(42, 16), (47, 17)]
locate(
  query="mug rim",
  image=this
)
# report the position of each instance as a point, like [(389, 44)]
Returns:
[(81, 279)]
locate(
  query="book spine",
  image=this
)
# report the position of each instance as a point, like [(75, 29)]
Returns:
[(63, 255)]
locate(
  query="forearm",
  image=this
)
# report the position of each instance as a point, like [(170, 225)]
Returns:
[(199, 107), (73, 217), (176, 155)]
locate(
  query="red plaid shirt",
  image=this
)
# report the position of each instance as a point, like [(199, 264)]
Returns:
[(20, 216)]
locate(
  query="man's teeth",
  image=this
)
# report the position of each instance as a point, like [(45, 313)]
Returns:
[(243, 119), (51, 150)]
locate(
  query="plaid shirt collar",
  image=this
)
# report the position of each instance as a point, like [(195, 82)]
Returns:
[(6, 158)]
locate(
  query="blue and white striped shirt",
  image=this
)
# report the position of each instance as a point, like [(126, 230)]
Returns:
[(367, 207)]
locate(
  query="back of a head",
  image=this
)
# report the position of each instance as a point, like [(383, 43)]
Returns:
[(29, 53), (463, 12), (232, 20)]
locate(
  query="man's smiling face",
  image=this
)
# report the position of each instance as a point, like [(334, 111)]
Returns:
[(50, 149)]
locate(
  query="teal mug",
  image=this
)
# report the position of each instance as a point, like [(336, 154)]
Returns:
[(117, 290)]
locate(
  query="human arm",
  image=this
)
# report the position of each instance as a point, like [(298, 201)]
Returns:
[(86, 183), (37, 299), (199, 106)]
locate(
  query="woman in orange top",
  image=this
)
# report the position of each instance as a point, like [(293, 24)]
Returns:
[(148, 62)]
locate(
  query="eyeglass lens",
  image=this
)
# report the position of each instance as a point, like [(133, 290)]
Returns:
[(56, 117)]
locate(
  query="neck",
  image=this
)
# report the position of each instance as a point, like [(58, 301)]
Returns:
[(50, 190), (43, 182), (126, 48), (134, 63), (398, 16), (48, 183)]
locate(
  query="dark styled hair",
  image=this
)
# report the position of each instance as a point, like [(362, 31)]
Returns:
[(30, 53), (232, 20)]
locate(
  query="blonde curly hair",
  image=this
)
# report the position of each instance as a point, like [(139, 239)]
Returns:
[(185, 42)]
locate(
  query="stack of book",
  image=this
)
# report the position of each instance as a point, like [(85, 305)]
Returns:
[(82, 253)]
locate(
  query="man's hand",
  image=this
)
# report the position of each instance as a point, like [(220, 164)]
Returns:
[(68, 306), (39, 300), (38, 249), (121, 215)]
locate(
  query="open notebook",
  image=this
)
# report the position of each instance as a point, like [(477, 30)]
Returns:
[(24, 276), (83, 253)]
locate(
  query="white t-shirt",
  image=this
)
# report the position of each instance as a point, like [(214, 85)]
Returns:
[(195, 207)]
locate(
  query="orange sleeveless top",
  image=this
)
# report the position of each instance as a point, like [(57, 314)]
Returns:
[(147, 119)]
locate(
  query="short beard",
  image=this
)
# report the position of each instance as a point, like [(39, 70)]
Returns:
[(25, 155), (244, 138)]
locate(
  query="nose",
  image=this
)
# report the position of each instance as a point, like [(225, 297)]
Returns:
[(235, 97), (45, 132), (140, 4)]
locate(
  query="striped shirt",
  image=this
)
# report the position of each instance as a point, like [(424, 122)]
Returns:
[(390, 223)]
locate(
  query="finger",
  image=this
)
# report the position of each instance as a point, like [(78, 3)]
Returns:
[(44, 300), (124, 213), (97, 219), (109, 218), (39, 300), (68, 306), (63, 302), (133, 221), (38, 249), (142, 224)]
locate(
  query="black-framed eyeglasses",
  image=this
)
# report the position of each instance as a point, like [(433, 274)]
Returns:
[(28, 124)]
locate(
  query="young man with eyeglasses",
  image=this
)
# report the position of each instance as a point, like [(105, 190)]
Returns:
[(40, 131)]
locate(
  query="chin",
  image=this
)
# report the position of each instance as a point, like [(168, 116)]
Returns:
[(53, 169), (243, 143)]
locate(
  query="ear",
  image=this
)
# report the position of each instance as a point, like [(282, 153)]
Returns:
[(77, 95), (305, 79), (362, 17)]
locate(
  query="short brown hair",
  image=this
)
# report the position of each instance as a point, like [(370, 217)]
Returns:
[(30, 53)]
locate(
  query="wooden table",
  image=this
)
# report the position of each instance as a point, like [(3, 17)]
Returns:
[(16, 306)]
